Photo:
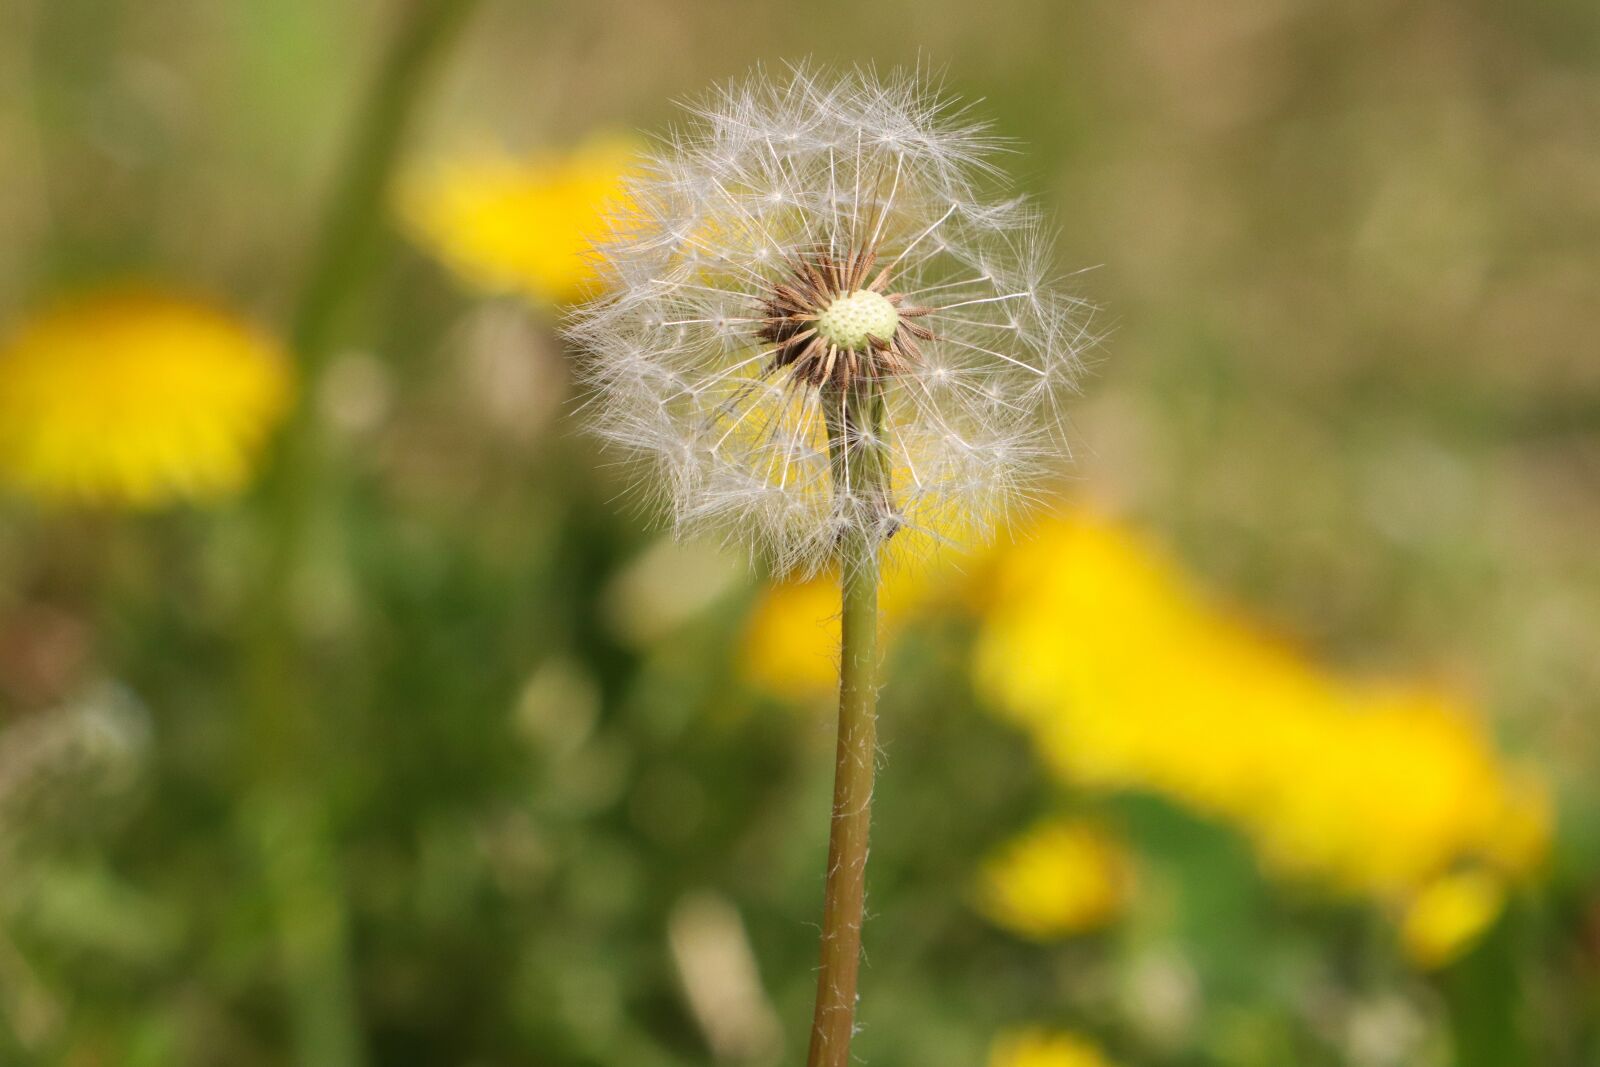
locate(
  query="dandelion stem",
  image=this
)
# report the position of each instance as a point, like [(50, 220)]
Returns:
[(859, 464)]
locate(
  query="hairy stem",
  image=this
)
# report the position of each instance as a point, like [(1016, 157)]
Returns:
[(845, 896)]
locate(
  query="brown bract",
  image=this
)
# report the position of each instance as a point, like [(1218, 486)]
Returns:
[(815, 282)]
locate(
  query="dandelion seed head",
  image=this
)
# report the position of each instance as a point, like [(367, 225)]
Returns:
[(805, 240)]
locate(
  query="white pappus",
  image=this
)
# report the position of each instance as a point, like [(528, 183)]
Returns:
[(806, 245)]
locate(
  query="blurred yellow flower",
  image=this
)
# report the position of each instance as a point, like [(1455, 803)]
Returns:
[(1126, 679), (511, 224), (1449, 915), (1038, 1048), (1060, 878), (791, 640), (138, 398)]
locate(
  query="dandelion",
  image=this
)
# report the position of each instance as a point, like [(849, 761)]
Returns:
[(791, 639), (819, 324), (510, 224), (1372, 790), (826, 333), (1059, 878), (138, 398), (1449, 915), (1039, 1048)]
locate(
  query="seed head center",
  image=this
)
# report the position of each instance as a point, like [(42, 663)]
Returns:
[(854, 317)]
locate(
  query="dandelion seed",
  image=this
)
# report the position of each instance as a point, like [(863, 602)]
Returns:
[(820, 321)]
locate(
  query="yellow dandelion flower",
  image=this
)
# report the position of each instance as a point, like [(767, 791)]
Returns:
[(791, 640), (1449, 915), (137, 398), (1060, 878), (1371, 790), (1038, 1048), (511, 224)]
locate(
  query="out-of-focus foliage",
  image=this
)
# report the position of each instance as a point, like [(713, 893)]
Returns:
[(1320, 768)]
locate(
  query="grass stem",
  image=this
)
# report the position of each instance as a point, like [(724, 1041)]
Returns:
[(287, 816)]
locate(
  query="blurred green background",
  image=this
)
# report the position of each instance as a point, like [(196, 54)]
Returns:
[(425, 748)]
